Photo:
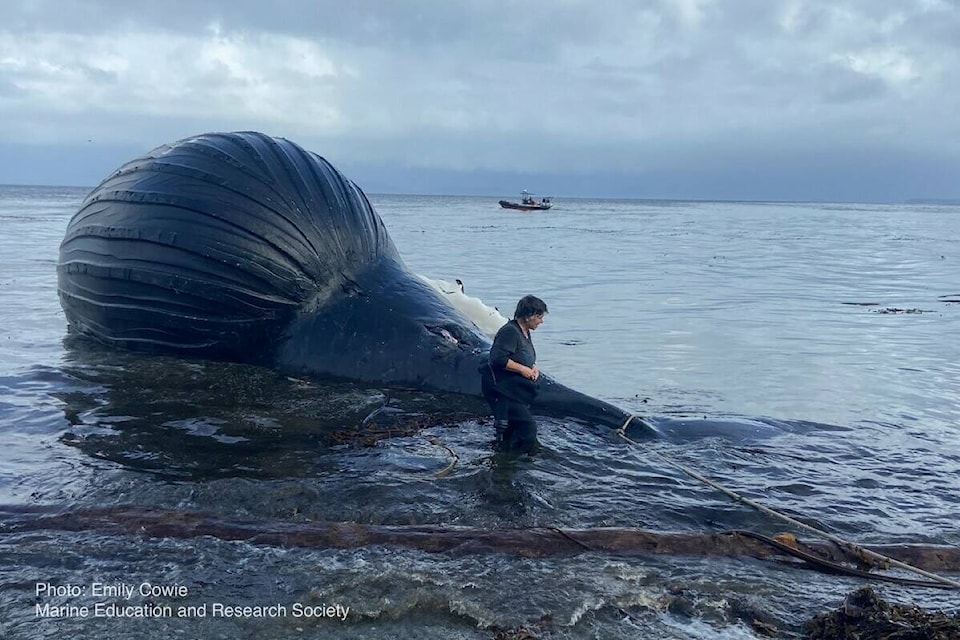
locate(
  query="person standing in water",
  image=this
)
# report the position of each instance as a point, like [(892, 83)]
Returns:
[(510, 380)]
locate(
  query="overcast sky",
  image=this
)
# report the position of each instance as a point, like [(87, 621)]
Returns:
[(726, 99)]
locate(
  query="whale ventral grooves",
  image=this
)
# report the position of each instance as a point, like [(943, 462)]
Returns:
[(211, 244)]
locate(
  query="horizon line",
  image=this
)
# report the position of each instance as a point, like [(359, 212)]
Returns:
[(917, 201)]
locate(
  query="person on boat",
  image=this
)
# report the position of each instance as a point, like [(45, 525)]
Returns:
[(510, 379)]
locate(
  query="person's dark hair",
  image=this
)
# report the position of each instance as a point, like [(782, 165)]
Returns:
[(529, 306)]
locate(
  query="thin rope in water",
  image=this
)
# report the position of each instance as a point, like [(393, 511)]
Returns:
[(857, 550), (453, 455)]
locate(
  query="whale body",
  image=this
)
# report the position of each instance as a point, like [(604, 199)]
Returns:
[(249, 248)]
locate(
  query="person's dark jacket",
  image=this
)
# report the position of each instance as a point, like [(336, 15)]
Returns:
[(510, 344)]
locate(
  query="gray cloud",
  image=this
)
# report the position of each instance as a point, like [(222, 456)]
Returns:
[(670, 92)]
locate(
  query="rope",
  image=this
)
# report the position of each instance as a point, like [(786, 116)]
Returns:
[(447, 469), (572, 539), (833, 567), (856, 550)]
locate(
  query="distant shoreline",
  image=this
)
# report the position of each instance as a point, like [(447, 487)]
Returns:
[(941, 201), (911, 201)]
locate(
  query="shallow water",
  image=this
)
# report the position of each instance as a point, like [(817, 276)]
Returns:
[(804, 355)]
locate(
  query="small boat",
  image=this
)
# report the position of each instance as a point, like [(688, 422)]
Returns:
[(528, 203)]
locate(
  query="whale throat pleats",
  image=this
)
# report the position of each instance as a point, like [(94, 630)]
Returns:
[(210, 245)]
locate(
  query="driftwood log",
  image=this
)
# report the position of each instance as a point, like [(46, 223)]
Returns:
[(528, 542)]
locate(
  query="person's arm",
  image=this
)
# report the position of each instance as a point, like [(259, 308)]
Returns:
[(506, 343), (527, 372), (504, 346)]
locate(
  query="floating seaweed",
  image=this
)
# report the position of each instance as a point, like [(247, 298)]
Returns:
[(897, 310), (864, 614)]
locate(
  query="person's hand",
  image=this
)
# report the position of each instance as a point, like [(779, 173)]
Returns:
[(534, 373)]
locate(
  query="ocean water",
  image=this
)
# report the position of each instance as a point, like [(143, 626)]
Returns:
[(804, 355)]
